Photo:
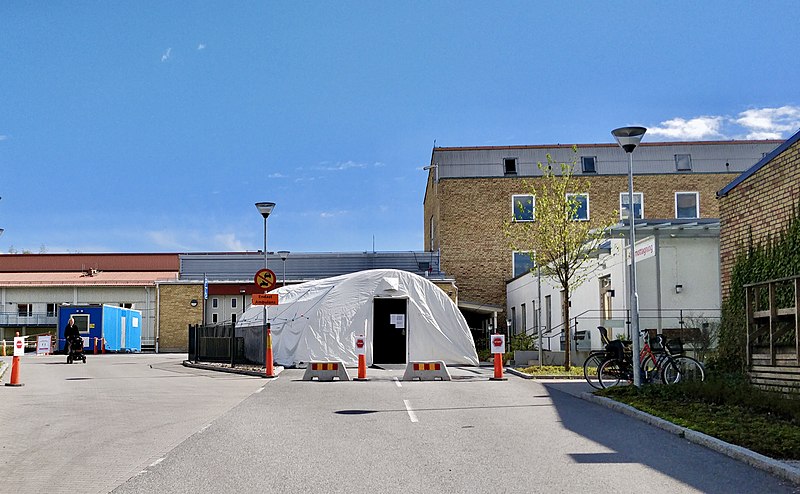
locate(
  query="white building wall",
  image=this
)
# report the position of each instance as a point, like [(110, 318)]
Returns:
[(692, 262)]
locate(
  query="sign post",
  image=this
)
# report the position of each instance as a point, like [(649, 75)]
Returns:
[(19, 351), (361, 351), (498, 342), (265, 280)]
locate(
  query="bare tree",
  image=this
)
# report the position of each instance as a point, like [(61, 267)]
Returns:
[(562, 236)]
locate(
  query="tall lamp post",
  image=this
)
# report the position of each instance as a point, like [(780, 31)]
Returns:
[(628, 138), (284, 255), (265, 208)]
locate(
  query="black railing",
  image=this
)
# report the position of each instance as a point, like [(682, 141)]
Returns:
[(214, 344)]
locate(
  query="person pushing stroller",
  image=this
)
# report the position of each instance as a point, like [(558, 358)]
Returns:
[(74, 343)]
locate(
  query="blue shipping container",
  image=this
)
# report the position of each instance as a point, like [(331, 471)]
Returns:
[(121, 328)]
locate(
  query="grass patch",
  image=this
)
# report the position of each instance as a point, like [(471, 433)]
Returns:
[(552, 370), (728, 409)]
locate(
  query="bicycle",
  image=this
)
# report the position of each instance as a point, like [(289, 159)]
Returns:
[(596, 358), (656, 366)]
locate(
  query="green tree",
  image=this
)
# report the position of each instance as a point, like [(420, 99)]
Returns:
[(562, 236)]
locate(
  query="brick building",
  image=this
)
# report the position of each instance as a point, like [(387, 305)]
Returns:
[(759, 202), (471, 192)]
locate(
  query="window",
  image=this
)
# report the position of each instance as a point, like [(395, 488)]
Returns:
[(233, 302), (25, 310), (523, 205), (513, 329), (432, 233), (51, 310), (233, 318), (214, 303), (82, 321), (683, 162), (523, 262), (548, 313), (523, 317), (510, 166), (126, 306), (638, 205), (214, 318), (578, 206), (588, 164), (687, 204)]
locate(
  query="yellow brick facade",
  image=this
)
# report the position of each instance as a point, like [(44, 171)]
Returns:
[(468, 215), (175, 314), (761, 205)]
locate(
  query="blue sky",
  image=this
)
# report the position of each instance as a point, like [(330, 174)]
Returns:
[(155, 126)]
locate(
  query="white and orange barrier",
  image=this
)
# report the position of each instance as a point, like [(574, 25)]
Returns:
[(426, 371), (326, 371)]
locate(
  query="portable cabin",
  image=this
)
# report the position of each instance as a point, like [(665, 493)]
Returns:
[(121, 327)]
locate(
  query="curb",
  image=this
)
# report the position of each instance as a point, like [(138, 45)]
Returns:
[(278, 369), (757, 460), (523, 375)]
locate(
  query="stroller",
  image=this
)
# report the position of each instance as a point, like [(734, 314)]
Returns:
[(75, 349)]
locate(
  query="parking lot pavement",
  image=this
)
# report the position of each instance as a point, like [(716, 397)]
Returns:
[(89, 427)]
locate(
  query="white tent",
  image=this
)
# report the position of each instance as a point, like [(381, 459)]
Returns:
[(402, 315)]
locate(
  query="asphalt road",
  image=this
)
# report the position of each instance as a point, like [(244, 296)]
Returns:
[(173, 429)]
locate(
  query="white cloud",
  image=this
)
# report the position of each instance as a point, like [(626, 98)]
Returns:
[(755, 123), (769, 123), (229, 242), (332, 214), (3, 138), (201, 46), (276, 175), (166, 55), (166, 240), (347, 165), (697, 128)]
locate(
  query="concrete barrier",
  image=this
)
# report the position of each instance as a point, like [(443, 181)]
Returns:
[(326, 371), (426, 371)]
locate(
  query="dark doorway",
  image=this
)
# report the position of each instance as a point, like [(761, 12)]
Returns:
[(390, 325)]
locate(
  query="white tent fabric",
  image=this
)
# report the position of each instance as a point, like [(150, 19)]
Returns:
[(319, 320)]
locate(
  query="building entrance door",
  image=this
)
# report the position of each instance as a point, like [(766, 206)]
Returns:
[(389, 331)]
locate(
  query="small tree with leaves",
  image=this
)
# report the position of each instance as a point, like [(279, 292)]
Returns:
[(561, 237)]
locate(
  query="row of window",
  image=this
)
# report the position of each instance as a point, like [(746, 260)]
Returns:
[(683, 163), (26, 310), (215, 303), (687, 205)]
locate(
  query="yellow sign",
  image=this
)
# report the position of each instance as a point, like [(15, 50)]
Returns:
[(265, 299), (265, 279)]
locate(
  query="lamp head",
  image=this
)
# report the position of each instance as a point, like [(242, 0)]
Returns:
[(265, 208), (628, 137), (284, 254)]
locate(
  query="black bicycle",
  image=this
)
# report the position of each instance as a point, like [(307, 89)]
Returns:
[(596, 358), (664, 365)]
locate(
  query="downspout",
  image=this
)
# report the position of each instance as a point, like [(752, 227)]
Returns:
[(658, 280), (158, 316)]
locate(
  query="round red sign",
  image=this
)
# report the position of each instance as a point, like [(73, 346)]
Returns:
[(19, 343), (360, 343), (497, 341)]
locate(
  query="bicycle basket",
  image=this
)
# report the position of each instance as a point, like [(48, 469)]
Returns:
[(675, 346)]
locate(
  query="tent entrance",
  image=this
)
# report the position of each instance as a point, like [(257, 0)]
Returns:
[(390, 326)]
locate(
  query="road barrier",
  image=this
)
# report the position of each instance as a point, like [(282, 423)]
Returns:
[(326, 371), (426, 371)]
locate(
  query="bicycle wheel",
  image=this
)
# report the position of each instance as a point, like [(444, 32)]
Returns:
[(611, 373), (591, 366), (682, 369)]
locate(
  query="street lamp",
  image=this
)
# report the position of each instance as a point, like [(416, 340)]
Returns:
[(284, 254), (265, 208), (628, 138)]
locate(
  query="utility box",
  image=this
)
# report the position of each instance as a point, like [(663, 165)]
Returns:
[(121, 328)]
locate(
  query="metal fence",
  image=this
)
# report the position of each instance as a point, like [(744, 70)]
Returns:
[(213, 343)]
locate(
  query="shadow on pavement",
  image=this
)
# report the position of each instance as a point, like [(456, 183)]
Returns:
[(631, 441)]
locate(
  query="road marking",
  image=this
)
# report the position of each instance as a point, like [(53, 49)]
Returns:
[(156, 462), (397, 382), (260, 389), (411, 414)]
